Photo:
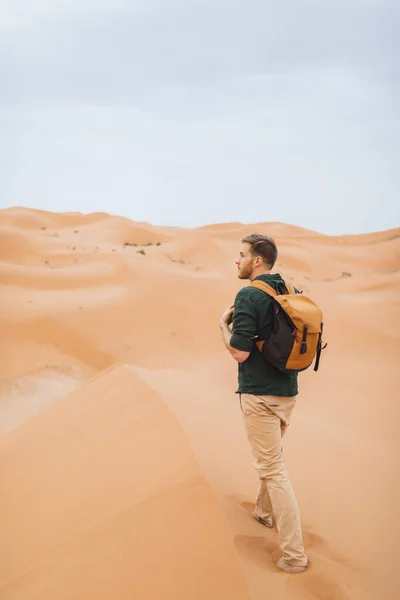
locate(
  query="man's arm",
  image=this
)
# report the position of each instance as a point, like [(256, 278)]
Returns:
[(239, 355), (240, 341)]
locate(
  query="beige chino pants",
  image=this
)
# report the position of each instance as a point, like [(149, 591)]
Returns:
[(266, 419)]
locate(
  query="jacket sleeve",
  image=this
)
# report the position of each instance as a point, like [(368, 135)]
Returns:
[(245, 322)]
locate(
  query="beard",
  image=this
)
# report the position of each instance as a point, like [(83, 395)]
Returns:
[(245, 272)]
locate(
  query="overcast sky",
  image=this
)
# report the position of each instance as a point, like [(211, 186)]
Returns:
[(189, 112)]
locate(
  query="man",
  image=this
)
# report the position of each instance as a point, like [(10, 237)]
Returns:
[(267, 397)]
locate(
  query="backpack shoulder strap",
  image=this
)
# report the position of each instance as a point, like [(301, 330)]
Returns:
[(264, 287)]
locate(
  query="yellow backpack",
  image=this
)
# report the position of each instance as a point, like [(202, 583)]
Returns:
[(296, 338)]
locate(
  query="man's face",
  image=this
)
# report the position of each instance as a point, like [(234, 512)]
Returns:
[(245, 262)]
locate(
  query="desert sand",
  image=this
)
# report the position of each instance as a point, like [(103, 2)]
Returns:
[(125, 469)]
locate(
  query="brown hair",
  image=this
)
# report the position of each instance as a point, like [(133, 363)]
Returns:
[(262, 245)]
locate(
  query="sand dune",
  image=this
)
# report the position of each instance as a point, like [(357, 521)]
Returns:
[(119, 510), (16, 245), (28, 218), (82, 295), (269, 228)]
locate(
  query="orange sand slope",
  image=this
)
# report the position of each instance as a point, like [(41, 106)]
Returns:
[(118, 507), (108, 493)]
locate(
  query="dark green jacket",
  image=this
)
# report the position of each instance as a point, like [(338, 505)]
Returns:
[(253, 316)]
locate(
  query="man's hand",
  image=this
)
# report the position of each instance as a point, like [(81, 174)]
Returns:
[(227, 316)]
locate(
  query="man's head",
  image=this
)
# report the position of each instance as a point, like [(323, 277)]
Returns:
[(258, 255)]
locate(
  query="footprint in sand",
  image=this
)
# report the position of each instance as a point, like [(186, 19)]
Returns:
[(312, 541), (258, 550), (241, 503), (348, 582), (261, 550), (244, 505)]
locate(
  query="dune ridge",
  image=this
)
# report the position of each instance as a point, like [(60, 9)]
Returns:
[(103, 319)]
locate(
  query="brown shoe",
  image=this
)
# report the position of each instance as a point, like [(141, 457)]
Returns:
[(281, 564), (268, 522)]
